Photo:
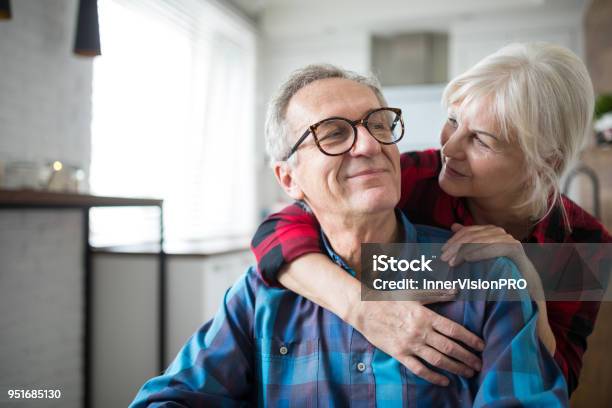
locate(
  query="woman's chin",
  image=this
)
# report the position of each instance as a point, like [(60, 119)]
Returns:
[(452, 186)]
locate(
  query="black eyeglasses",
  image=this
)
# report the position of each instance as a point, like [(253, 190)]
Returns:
[(335, 136)]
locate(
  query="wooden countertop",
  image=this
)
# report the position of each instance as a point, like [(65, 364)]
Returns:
[(33, 198), (200, 248)]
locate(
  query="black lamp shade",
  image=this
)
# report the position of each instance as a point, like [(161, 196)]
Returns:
[(87, 41), (5, 9)]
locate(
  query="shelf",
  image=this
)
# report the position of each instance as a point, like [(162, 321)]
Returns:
[(203, 248), (33, 198)]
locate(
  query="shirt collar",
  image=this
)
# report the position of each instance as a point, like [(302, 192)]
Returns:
[(407, 230)]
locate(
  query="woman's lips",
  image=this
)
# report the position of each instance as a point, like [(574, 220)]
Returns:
[(452, 172)]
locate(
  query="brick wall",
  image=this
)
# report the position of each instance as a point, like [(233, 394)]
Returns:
[(45, 90), (45, 114)]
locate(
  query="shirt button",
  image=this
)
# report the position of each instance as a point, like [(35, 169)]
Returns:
[(361, 367), (283, 350)]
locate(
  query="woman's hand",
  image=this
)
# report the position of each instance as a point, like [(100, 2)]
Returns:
[(407, 331), (404, 329), (480, 242)]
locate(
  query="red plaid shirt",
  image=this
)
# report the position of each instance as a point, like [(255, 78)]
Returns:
[(288, 234)]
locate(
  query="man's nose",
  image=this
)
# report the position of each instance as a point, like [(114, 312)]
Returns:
[(366, 144)]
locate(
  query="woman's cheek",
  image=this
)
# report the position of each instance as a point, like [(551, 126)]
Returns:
[(445, 134)]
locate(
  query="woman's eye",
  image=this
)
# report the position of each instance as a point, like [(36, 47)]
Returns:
[(479, 141), (452, 121)]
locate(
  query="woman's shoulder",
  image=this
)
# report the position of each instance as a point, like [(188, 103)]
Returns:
[(584, 226), (421, 163)]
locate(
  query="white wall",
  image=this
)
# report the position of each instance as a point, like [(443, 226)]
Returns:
[(44, 115), (45, 98), (474, 38)]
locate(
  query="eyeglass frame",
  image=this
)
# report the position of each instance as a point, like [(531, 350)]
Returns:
[(354, 123)]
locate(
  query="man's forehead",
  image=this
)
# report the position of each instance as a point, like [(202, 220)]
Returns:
[(330, 97)]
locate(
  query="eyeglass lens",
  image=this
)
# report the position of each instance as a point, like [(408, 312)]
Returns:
[(336, 136)]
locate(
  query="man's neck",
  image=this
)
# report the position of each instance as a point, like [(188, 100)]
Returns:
[(346, 234)]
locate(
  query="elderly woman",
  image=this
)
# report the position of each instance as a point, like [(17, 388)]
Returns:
[(515, 121)]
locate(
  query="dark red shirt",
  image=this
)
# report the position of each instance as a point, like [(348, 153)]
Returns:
[(288, 234)]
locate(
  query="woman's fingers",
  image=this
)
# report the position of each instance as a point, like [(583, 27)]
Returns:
[(451, 247), (448, 347), (484, 236), (466, 231), (456, 226), (420, 370), (456, 331), (479, 252), (437, 359)]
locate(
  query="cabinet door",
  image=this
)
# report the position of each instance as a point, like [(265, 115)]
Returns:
[(221, 272)]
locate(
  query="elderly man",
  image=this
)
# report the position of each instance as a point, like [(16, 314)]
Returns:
[(333, 141)]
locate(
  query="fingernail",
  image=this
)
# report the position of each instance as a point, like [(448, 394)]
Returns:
[(445, 383), (481, 345), (468, 373)]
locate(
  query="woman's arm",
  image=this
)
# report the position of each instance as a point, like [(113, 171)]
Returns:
[(282, 237), (495, 242), (286, 235), (406, 330), (403, 329), (536, 291)]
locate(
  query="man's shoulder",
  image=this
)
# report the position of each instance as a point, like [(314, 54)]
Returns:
[(427, 233), (252, 286), (247, 285)]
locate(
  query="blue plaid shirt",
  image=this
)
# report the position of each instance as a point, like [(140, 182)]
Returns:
[(271, 347)]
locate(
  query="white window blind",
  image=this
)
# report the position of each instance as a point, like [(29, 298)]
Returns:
[(173, 107)]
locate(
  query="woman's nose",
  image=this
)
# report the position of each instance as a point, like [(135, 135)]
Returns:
[(453, 144)]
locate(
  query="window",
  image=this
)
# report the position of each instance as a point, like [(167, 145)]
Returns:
[(173, 107)]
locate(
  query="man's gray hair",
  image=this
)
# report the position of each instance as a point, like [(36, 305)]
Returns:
[(278, 141)]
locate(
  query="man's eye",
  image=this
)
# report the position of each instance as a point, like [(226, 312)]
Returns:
[(379, 126), (333, 136), (452, 121)]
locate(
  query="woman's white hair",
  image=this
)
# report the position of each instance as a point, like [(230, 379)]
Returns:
[(278, 141), (542, 97)]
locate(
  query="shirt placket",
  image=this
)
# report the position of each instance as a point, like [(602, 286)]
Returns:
[(363, 385)]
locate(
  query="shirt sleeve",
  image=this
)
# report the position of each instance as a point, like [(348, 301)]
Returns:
[(571, 335), (416, 167), (282, 237), (517, 369), (200, 374)]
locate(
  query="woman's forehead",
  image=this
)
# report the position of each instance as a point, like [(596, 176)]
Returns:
[(478, 109)]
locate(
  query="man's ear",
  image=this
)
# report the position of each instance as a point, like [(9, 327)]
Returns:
[(285, 175)]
